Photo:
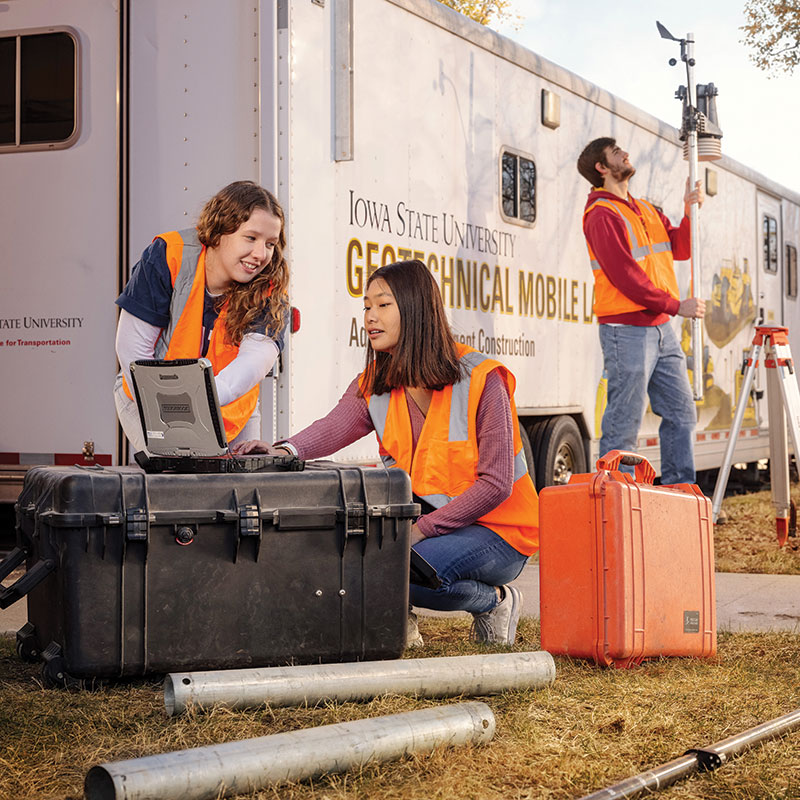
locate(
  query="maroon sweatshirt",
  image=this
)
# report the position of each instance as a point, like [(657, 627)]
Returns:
[(606, 234)]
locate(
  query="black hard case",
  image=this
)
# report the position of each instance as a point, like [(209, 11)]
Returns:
[(153, 573)]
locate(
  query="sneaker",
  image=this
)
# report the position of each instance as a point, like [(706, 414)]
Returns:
[(498, 626), (413, 636)]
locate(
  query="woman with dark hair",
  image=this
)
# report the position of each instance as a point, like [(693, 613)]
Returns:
[(219, 291), (445, 414)]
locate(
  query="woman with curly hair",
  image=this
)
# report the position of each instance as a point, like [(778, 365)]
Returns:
[(444, 413), (217, 291)]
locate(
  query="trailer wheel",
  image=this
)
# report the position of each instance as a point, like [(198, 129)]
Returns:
[(528, 450), (560, 453)]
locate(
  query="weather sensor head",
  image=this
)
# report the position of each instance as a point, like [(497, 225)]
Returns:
[(699, 121), (709, 134)]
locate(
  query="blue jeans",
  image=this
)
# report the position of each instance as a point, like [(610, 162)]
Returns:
[(470, 562), (642, 361)]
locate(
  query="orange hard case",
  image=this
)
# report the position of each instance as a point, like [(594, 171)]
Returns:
[(626, 569)]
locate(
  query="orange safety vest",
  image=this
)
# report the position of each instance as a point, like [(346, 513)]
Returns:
[(445, 462), (651, 249), (182, 338)]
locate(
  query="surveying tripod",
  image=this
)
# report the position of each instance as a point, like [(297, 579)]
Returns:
[(783, 399)]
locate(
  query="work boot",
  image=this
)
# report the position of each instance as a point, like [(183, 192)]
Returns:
[(413, 636), (498, 626)]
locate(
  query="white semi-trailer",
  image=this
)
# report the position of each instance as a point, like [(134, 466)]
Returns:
[(389, 129)]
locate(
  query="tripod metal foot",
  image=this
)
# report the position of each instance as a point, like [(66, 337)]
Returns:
[(787, 526)]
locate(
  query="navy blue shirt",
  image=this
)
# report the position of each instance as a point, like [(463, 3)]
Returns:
[(148, 295)]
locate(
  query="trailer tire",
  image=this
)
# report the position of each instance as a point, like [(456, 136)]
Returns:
[(528, 450), (535, 431), (560, 453)]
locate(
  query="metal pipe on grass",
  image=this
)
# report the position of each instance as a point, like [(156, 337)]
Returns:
[(697, 759), (247, 766), (314, 683)]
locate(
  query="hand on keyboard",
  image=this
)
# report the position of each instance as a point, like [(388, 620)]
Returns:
[(252, 446)]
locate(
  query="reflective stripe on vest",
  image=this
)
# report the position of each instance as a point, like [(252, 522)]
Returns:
[(181, 286), (649, 246), (438, 500), (378, 409), (639, 251), (182, 338), (454, 467)]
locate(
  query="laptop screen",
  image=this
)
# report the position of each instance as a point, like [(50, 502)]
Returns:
[(178, 407)]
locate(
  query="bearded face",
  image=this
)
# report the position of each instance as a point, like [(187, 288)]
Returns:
[(617, 163), (623, 173)]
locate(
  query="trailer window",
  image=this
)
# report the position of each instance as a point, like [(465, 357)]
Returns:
[(791, 270), (38, 90), (770, 244), (8, 90), (518, 187)]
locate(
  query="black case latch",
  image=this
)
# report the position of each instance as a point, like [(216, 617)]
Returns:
[(249, 520), (137, 524)]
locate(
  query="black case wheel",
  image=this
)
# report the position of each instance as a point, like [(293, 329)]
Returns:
[(54, 676), (27, 646), (54, 673)]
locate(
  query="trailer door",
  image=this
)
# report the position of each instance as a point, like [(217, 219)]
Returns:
[(59, 229), (202, 114), (770, 272)]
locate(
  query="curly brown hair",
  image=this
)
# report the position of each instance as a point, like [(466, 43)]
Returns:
[(266, 296)]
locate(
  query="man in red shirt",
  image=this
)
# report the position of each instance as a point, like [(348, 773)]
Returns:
[(631, 247)]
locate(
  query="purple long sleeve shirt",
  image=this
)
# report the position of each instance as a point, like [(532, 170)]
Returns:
[(349, 421)]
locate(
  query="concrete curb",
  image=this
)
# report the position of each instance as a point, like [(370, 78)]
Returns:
[(744, 602)]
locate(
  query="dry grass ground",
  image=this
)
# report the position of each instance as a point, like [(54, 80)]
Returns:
[(748, 542), (591, 728)]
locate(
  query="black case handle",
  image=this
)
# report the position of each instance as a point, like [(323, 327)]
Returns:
[(32, 578), (11, 562)]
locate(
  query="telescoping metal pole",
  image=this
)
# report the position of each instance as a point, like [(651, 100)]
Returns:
[(700, 134), (698, 759), (315, 683), (207, 773), (694, 214)]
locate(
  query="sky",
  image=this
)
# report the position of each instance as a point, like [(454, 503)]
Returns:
[(616, 46)]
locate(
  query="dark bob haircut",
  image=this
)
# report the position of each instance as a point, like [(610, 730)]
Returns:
[(425, 355)]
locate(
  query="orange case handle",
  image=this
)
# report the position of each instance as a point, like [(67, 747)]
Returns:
[(612, 459)]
